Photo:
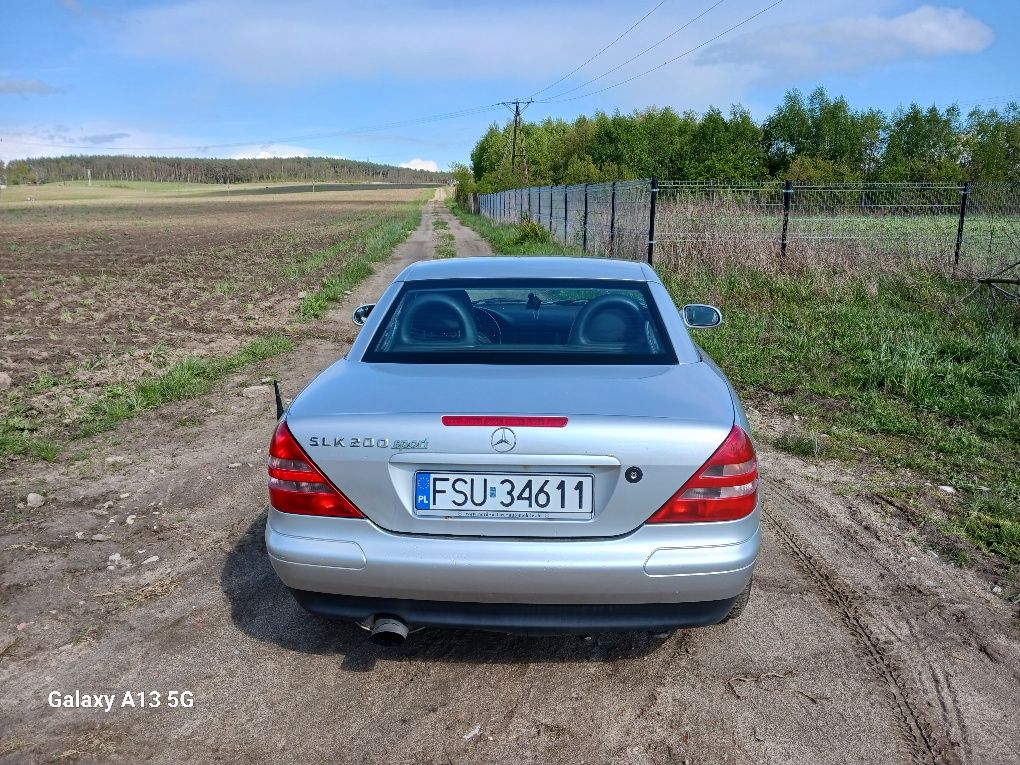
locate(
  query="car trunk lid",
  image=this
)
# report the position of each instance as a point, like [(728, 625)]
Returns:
[(374, 430)]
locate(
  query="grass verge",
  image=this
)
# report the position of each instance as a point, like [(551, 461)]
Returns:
[(187, 378), (895, 365), (373, 245), (523, 239)]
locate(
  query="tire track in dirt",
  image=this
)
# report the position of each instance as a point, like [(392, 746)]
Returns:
[(925, 745), (468, 243)]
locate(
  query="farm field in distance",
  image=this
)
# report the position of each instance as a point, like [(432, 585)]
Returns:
[(103, 287)]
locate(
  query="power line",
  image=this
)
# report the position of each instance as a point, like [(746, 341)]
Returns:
[(582, 66), (665, 63), (989, 100), (651, 47), (308, 137)]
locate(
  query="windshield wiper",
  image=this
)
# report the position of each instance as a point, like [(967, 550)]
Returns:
[(496, 300)]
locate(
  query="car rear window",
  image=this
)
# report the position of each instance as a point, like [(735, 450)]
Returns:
[(518, 321)]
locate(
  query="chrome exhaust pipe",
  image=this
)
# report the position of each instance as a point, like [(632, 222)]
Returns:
[(388, 631)]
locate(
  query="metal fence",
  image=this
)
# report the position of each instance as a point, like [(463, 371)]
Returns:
[(972, 227)]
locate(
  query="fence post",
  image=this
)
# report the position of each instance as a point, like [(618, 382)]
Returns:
[(539, 218), (612, 219), (566, 190), (651, 219), (550, 209), (787, 193), (964, 194), (584, 234)]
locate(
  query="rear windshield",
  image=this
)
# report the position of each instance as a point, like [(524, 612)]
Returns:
[(515, 321)]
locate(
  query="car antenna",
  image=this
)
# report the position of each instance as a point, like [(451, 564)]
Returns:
[(279, 401)]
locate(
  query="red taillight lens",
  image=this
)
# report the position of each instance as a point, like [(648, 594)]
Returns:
[(297, 486), (485, 421), (724, 489)]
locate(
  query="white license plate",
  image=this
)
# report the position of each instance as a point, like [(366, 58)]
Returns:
[(525, 496)]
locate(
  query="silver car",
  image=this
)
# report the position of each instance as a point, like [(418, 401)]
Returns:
[(522, 445)]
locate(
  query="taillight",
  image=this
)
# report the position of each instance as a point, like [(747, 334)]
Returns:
[(297, 486), (486, 421), (724, 489)]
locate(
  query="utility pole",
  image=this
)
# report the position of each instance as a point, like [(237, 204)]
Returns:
[(519, 106)]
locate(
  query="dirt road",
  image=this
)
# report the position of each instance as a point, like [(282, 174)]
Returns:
[(858, 645)]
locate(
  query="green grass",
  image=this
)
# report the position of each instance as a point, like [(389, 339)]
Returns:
[(373, 245), (17, 438), (904, 366), (306, 263), (187, 378), (896, 365), (445, 247), (512, 240), (803, 444)]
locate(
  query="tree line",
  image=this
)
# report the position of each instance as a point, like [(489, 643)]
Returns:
[(188, 170), (814, 138)]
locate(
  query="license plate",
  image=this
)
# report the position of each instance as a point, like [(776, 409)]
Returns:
[(504, 495)]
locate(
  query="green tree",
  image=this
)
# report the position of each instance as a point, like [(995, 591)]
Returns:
[(826, 130), (923, 145), (992, 144), (20, 171), (724, 149), (787, 132), (488, 152), (464, 183)]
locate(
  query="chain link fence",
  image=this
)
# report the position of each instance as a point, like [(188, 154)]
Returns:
[(973, 228), (606, 219)]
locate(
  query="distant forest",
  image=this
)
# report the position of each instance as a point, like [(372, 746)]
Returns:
[(814, 138), (183, 170)]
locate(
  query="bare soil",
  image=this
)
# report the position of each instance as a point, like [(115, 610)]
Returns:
[(858, 644), (104, 291)]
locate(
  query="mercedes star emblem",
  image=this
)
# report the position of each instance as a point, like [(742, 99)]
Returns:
[(503, 439)]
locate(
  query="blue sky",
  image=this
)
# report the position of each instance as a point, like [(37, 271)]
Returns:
[(255, 78)]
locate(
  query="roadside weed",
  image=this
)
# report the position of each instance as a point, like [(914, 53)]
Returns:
[(187, 378)]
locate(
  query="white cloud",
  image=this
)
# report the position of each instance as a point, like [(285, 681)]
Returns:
[(41, 140), (851, 44), (28, 87), (421, 164), (271, 150)]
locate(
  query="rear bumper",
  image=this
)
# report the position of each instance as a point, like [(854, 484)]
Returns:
[(533, 619), (650, 566)]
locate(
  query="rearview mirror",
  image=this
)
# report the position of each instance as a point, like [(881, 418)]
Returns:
[(700, 316), (361, 313)]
